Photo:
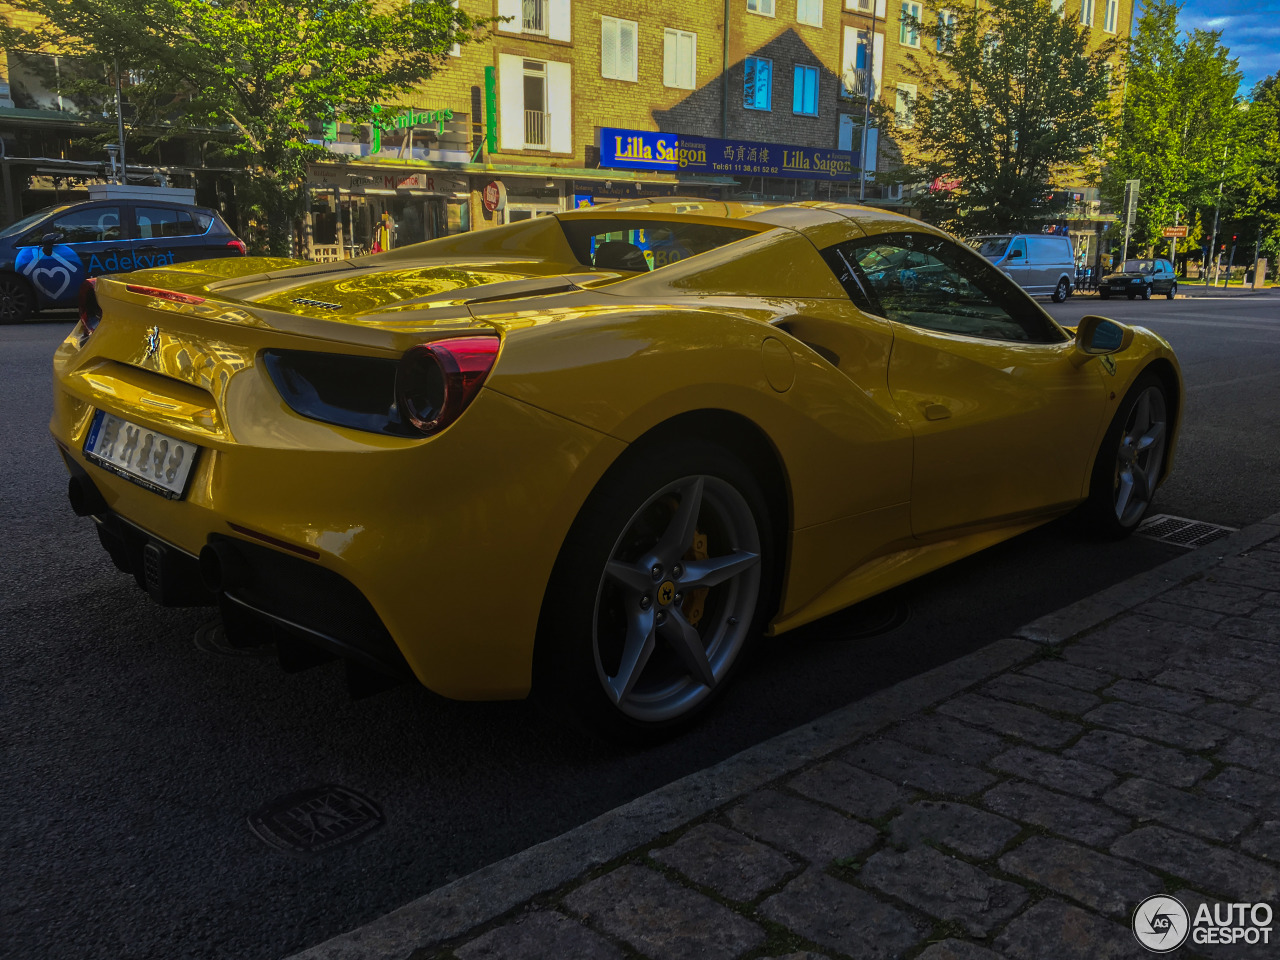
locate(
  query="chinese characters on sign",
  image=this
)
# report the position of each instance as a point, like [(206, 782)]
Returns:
[(685, 153)]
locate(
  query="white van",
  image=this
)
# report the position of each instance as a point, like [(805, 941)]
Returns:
[(1041, 264)]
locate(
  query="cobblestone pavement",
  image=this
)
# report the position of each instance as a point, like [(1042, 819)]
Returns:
[(1023, 813)]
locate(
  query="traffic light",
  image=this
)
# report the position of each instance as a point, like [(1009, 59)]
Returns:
[(1233, 238)]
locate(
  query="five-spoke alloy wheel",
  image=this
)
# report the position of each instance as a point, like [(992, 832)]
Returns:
[(17, 302), (662, 582), (1129, 465)]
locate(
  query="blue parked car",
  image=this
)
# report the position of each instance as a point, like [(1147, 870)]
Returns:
[(45, 257)]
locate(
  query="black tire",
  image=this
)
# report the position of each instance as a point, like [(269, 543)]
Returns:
[(1061, 291), (17, 299), (1173, 291), (588, 615), (1146, 292), (1104, 294), (1102, 509)]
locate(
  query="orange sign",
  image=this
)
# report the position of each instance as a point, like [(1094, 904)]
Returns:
[(1175, 231)]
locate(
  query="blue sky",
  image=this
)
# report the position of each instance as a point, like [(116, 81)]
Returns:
[(1250, 30)]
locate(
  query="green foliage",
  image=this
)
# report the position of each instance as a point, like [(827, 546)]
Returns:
[(1259, 192), (1181, 133), (1014, 96), (256, 71)]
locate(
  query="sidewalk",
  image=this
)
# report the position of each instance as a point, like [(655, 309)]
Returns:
[(1016, 803), (1196, 292)]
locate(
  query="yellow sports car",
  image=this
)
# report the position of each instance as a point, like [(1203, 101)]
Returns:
[(592, 453)]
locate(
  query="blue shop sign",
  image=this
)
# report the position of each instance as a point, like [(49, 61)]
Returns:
[(687, 153)]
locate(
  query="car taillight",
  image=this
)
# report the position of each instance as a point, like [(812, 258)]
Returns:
[(436, 381), (238, 245), (90, 310), (164, 294)]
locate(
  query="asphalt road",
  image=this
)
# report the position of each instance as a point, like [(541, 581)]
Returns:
[(132, 757)]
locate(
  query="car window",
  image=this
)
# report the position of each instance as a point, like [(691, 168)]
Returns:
[(91, 225), (992, 247), (642, 245), (1018, 249), (157, 222), (1136, 266), (1049, 250), (931, 282), (14, 229)]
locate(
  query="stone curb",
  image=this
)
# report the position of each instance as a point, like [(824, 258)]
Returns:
[(1061, 625), (458, 907)]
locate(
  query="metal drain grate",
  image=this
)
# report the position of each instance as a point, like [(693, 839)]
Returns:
[(311, 821), (1182, 532)]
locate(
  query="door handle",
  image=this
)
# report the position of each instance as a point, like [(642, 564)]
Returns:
[(936, 411)]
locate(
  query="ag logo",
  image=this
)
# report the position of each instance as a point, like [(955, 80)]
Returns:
[(53, 275), (1161, 923)]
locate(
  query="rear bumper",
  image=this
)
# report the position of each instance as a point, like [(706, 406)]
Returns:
[(430, 557)]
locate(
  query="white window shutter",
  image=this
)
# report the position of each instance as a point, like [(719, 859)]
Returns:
[(688, 60), (560, 101), (670, 46), (512, 9), (880, 9), (877, 68), (559, 13), (609, 47), (511, 101), (627, 66)]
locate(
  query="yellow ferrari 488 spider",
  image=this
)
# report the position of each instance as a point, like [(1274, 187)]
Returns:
[(592, 453)]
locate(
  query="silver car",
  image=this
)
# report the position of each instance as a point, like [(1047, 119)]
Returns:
[(1042, 264)]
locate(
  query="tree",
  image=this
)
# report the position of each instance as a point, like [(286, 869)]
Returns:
[(259, 70), (1014, 98), (1181, 130), (1260, 189)]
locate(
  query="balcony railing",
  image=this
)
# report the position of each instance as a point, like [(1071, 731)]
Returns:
[(535, 129), (533, 16)]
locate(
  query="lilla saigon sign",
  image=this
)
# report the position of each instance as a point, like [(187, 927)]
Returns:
[(686, 153)]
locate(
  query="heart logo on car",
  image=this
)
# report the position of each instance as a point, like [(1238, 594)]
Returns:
[(59, 275)]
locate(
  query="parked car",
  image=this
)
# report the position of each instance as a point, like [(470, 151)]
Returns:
[(1041, 264), (45, 257), (1140, 278), (526, 457)]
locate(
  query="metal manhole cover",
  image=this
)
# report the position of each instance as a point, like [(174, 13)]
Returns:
[(212, 638), (1182, 532), (315, 820)]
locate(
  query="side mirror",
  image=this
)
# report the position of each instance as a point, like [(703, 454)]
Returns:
[(1098, 336), (1015, 255), (47, 242)]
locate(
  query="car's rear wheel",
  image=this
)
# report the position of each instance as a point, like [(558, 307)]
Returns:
[(666, 575), (17, 301), (1060, 292), (1129, 462), (1173, 291)]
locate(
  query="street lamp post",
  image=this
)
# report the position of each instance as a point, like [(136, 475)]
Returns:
[(124, 173)]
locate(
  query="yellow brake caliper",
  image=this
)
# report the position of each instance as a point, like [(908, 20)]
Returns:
[(693, 605)]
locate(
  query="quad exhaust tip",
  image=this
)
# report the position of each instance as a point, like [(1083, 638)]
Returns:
[(221, 567), (85, 499)]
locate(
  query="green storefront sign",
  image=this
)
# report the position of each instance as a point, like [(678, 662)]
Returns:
[(411, 117)]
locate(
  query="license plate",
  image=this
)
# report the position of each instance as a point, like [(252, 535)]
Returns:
[(155, 460)]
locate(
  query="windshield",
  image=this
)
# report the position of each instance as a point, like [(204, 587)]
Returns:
[(642, 245), (29, 221), (991, 247), (1137, 266)]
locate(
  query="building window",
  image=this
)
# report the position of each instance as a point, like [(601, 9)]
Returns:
[(946, 28), (857, 56), (902, 104), (1112, 14), (1058, 6), (757, 85), (763, 7), (618, 48), (533, 16), (535, 105), (810, 12), (909, 24), (1086, 12), (804, 98), (862, 6), (680, 55)]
